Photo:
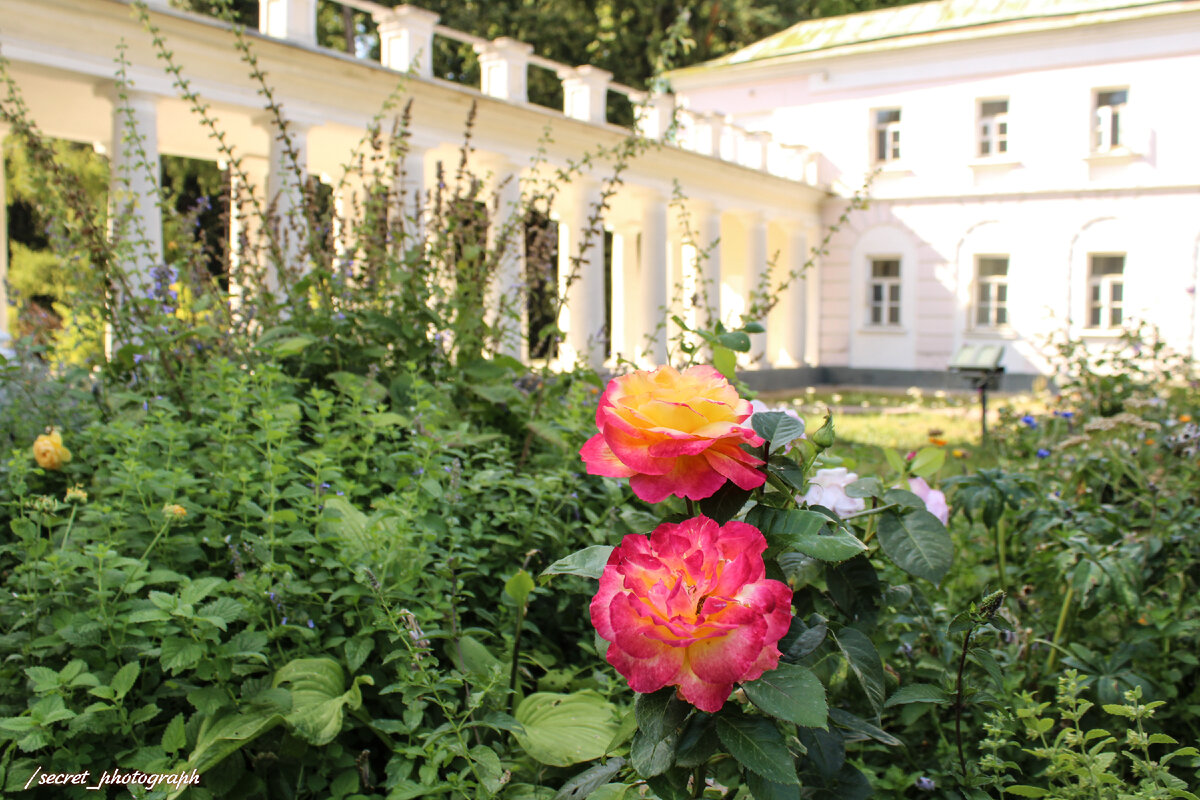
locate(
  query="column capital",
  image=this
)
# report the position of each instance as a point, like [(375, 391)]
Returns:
[(293, 20), (503, 63), (406, 39), (585, 92), (654, 112)]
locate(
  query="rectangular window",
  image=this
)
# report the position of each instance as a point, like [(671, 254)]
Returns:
[(1110, 109), (1106, 291), (991, 293), (884, 298), (887, 135), (993, 127)]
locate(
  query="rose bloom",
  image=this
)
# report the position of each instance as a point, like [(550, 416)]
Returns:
[(935, 501), (673, 433), (828, 488), (49, 452), (690, 606)]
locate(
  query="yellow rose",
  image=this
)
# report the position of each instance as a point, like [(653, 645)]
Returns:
[(49, 452)]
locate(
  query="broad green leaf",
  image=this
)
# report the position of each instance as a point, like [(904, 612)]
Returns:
[(487, 765), (865, 662), (179, 654), (587, 782), (758, 746), (1025, 791), (319, 697), (291, 346), (794, 529), (588, 562), (894, 459), (470, 655), (865, 487), (660, 712), (777, 428), (174, 738), (726, 503), (123, 681), (519, 586), (735, 340), (864, 729), (357, 650), (565, 729), (918, 543), (221, 735), (918, 693), (724, 360), (791, 692), (763, 789), (928, 461), (341, 517), (199, 589), (825, 751), (653, 755), (610, 791)]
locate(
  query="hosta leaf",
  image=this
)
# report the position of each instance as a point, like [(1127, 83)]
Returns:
[(565, 729), (319, 697)]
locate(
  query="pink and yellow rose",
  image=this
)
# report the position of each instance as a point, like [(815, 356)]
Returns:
[(673, 433), (690, 606), (49, 451)]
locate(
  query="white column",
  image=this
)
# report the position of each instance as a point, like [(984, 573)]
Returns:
[(756, 265), (294, 20), (585, 93), (503, 64), (655, 114), (709, 130), (136, 216), (812, 290), (581, 257), (4, 336), (706, 224), (654, 279), (406, 39), (506, 297), (754, 147), (410, 197), (627, 303), (247, 255), (786, 334), (287, 172)]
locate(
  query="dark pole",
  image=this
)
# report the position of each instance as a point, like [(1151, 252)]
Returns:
[(983, 411)]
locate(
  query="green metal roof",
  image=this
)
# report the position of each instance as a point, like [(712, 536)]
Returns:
[(918, 18)]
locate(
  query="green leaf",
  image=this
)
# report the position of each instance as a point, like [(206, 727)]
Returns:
[(221, 735), (895, 460), (918, 543), (653, 755), (791, 692), (588, 562), (179, 654), (519, 586), (724, 360), (587, 782), (763, 789), (291, 346), (487, 764), (865, 662), (928, 461), (357, 650), (862, 728), (794, 529), (174, 738), (122, 682), (865, 487), (754, 327), (660, 713), (318, 699), (735, 340), (758, 746), (1025, 791), (565, 729), (726, 503), (825, 751), (918, 693), (777, 427), (199, 589)]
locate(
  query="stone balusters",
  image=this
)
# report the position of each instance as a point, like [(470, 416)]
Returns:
[(406, 39), (504, 64), (293, 20)]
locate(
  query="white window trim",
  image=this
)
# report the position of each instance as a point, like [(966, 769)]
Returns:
[(992, 137), (887, 304), (1105, 284), (892, 130), (1100, 132), (991, 280)]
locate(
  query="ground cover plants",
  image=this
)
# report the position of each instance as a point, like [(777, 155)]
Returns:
[(308, 548)]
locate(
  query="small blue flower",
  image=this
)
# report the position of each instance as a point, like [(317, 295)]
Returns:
[(310, 624), (419, 471), (925, 784), (1043, 453), (271, 595), (1030, 421), (1068, 414), (283, 621)]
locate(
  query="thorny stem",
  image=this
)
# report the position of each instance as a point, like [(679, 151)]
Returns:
[(958, 703)]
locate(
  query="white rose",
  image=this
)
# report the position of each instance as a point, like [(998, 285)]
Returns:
[(828, 488)]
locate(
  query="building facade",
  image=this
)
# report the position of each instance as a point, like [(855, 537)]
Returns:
[(1036, 170)]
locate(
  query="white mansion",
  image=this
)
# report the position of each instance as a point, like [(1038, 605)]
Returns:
[(1036, 162)]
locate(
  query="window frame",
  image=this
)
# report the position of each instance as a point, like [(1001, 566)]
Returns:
[(987, 133), (997, 285), (891, 293), (1110, 119), (891, 132), (1103, 286)]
